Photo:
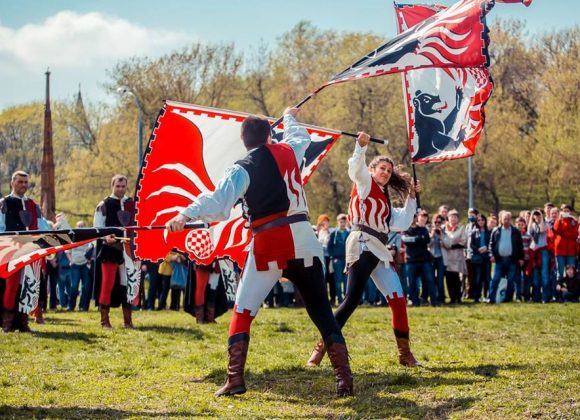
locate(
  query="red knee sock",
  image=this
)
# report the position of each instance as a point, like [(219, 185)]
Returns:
[(240, 322), (11, 292), (108, 276), (398, 307), (201, 279)]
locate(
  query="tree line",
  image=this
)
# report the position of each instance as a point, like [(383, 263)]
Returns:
[(527, 155)]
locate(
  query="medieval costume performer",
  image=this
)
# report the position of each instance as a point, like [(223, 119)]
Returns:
[(367, 255), (268, 181), (17, 213), (110, 283)]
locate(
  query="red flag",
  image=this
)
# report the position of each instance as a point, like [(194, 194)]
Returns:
[(188, 152), (19, 249), (525, 2), (454, 37), (444, 107)]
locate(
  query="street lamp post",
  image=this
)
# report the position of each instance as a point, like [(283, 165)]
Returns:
[(124, 90), (470, 181)]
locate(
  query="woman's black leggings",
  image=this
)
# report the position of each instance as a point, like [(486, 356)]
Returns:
[(358, 276), (310, 283)]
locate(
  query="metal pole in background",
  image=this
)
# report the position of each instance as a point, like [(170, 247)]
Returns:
[(124, 90), (140, 133), (470, 181)]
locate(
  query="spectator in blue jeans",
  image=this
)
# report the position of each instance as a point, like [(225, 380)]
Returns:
[(537, 228), (64, 279), (337, 253), (416, 240), (154, 291), (507, 252), (79, 272), (437, 257), (479, 255)]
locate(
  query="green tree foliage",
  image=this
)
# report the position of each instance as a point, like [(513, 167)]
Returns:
[(528, 153)]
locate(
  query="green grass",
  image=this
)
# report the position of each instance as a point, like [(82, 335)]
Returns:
[(506, 361)]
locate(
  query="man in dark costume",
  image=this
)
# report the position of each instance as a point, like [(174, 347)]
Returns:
[(110, 288), (17, 213), (269, 181)]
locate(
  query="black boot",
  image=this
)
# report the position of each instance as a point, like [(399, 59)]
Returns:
[(237, 350), (7, 321), (338, 355), (23, 322)]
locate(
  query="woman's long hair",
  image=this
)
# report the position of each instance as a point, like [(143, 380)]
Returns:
[(400, 182)]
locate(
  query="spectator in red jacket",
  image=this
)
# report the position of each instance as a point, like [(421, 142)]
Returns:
[(565, 239)]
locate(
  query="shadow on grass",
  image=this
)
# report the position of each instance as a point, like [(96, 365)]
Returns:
[(60, 321), (375, 392), (70, 336), (85, 413), (161, 329), (490, 371)]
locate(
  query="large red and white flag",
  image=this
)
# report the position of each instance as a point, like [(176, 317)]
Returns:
[(525, 2), (444, 106), (189, 151), (454, 37)]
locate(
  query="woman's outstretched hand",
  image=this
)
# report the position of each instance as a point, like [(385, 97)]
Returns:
[(363, 139), (415, 189)]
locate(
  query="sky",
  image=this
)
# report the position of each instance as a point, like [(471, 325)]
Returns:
[(80, 40)]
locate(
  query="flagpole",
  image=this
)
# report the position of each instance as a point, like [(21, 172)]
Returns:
[(96, 230), (373, 139), (417, 197), (344, 133), (298, 105)]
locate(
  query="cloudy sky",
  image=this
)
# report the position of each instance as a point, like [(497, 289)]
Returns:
[(81, 39)]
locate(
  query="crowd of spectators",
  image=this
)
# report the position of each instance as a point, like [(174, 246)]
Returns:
[(531, 257), (440, 260)]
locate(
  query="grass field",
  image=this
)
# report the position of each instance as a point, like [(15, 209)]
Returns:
[(506, 361)]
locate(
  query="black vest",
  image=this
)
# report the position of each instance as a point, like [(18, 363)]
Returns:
[(110, 207), (11, 207), (267, 193)]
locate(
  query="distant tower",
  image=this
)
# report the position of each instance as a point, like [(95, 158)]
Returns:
[(47, 194), (81, 133)]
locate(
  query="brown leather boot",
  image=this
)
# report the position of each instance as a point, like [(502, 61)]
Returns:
[(317, 354), (127, 317), (23, 322), (199, 314), (105, 323), (406, 358), (7, 321), (237, 350), (39, 318), (210, 313), (338, 355)]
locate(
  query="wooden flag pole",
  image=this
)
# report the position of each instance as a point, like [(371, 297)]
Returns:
[(418, 198)]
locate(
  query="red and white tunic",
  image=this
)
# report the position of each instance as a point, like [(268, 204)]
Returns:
[(370, 206), (269, 181)]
